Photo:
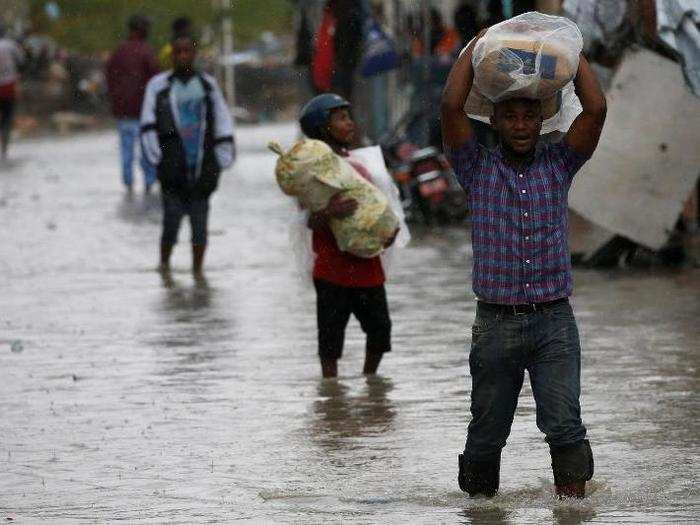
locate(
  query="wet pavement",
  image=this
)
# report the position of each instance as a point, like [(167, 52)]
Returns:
[(127, 397)]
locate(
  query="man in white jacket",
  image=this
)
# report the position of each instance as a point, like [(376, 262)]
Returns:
[(187, 132)]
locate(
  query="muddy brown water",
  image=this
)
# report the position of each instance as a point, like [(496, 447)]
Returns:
[(126, 398)]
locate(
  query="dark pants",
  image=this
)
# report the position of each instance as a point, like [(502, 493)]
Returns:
[(7, 111), (175, 206), (504, 346), (334, 304)]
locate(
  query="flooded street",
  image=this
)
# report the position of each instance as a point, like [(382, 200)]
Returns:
[(124, 397)]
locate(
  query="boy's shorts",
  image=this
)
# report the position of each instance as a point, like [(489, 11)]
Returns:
[(334, 304), (175, 207)]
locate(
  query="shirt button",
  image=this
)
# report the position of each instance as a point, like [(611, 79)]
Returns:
[(527, 285), (520, 175), (523, 191), (527, 237), (525, 214), (527, 261)]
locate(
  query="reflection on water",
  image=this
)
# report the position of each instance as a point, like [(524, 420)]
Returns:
[(572, 514), (340, 416), (136, 209), (193, 324), (503, 511), (488, 515), (188, 308)]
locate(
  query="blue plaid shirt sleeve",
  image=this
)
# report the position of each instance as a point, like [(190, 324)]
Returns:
[(568, 159), (464, 160)]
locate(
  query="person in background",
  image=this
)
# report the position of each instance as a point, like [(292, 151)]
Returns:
[(128, 71), (40, 50), (187, 132), (345, 284), (466, 22), (522, 276), (181, 26), (445, 41), (494, 13), (11, 56), (337, 48)]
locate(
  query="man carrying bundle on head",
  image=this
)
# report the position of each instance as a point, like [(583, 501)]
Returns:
[(522, 266)]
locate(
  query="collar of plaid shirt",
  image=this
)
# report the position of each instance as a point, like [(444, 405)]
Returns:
[(519, 221)]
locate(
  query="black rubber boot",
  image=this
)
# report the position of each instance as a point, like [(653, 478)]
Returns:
[(479, 477), (572, 466)]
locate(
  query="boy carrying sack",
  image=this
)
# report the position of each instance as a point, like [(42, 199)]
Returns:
[(351, 221)]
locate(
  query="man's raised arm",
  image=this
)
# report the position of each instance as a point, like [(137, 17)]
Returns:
[(585, 131), (456, 129)]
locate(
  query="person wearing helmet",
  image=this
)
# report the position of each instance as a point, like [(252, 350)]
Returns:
[(345, 284)]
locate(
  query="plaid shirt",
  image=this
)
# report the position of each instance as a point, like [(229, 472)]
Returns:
[(519, 221)]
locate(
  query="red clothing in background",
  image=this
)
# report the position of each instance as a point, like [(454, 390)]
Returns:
[(341, 268), (128, 71), (324, 53), (8, 91)]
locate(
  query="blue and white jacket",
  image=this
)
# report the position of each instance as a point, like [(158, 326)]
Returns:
[(162, 143)]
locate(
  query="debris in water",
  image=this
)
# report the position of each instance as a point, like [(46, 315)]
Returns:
[(16, 346)]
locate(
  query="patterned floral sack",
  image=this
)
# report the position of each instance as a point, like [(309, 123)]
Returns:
[(313, 173)]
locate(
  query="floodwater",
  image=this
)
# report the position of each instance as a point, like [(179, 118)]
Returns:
[(124, 397)]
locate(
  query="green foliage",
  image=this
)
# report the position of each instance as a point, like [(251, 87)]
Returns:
[(98, 25)]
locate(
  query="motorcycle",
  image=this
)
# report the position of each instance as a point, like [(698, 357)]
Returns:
[(428, 188), (434, 188)]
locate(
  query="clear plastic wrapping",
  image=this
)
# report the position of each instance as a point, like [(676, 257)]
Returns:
[(532, 55)]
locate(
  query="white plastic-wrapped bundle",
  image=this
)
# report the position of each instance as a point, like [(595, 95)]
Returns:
[(532, 55)]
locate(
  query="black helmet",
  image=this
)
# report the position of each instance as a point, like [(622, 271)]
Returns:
[(317, 112)]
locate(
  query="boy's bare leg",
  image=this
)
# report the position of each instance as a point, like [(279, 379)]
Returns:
[(372, 361), (329, 367)]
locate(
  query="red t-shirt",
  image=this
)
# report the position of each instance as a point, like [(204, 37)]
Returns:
[(341, 268)]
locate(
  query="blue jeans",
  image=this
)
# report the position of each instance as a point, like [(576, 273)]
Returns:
[(504, 346), (129, 133)]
